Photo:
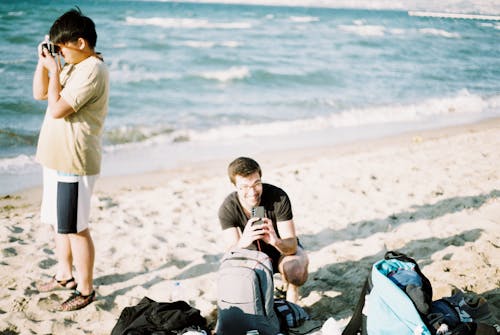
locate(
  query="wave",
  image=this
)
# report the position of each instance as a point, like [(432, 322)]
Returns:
[(455, 15), (210, 44), (491, 25), (438, 32), (18, 13), (123, 73), (304, 19), (364, 30), (134, 134), (487, 7), (15, 165), (10, 137), (185, 23), (462, 105), (233, 73)]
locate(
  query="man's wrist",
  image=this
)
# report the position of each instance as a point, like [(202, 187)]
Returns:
[(284, 247)]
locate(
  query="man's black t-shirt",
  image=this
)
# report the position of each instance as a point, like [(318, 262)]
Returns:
[(277, 207)]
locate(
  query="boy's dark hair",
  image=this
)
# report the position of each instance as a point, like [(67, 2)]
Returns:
[(72, 25), (242, 166)]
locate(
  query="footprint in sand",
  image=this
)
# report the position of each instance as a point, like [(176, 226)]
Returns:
[(50, 303), (19, 304)]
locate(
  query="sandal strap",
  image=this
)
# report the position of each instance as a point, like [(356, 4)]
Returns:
[(53, 285), (65, 281)]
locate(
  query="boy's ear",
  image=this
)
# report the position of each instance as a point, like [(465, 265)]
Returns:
[(81, 43)]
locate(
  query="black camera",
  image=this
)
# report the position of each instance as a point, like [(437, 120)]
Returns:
[(52, 48)]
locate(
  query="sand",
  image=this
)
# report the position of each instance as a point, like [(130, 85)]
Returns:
[(434, 195)]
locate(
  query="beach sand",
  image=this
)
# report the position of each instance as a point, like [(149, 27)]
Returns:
[(434, 195)]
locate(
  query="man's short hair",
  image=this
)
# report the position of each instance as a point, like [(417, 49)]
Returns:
[(71, 26), (242, 166)]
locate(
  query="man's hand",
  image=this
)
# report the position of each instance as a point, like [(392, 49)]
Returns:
[(270, 236), (251, 233)]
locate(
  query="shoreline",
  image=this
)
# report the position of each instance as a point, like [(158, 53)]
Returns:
[(216, 165), (433, 194)]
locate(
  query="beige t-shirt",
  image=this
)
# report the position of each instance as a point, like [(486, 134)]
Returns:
[(73, 144)]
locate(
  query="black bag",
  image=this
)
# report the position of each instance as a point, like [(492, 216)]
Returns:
[(159, 318), (290, 314)]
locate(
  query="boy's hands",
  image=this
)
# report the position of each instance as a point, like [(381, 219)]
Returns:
[(45, 58)]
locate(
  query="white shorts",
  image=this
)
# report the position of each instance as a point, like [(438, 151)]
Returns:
[(66, 201)]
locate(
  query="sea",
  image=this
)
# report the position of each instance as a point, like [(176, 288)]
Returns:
[(196, 81)]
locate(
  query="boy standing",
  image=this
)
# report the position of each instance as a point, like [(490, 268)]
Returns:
[(69, 147)]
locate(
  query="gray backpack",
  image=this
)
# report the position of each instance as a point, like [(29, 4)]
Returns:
[(245, 289)]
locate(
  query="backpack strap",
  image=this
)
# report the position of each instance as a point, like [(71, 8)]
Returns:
[(355, 324)]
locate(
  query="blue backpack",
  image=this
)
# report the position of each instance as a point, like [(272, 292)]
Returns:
[(394, 298)]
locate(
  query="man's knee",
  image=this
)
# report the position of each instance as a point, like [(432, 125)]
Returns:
[(295, 272)]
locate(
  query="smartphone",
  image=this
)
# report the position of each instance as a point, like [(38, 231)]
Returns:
[(258, 212)]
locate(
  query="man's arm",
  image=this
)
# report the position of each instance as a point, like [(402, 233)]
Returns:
[(234, 238), (287, 242), (231, 237)]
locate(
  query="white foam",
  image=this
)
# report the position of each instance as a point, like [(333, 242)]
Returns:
[(438, 111), (304, 19), (19, 163), (364, 30), (123, 73), (454, 15), (199, 44), (231, 44), (447, 6), (18, 13), (495, 25), (187, 23), (439, 32), (233, 73), (210, 44), (462, 104)]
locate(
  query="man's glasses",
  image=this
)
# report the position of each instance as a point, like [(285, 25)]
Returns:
[(246, 188)]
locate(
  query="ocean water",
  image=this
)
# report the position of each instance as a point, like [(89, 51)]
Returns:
[(198, 81)]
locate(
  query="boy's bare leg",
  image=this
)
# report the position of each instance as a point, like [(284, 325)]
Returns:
[(83, 250), (64, 257)]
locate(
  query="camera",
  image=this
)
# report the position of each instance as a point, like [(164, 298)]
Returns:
[(51, 47), (258, 212)]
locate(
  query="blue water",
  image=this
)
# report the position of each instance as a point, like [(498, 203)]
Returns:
[(199, 81)]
